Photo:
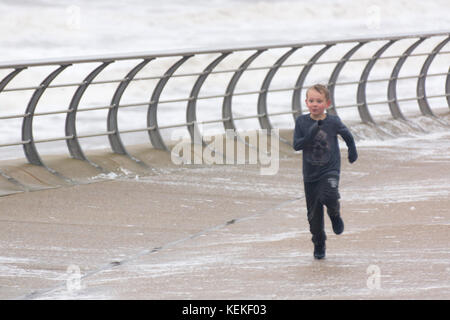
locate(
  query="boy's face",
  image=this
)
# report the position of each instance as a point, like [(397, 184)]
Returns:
[(316, 103)]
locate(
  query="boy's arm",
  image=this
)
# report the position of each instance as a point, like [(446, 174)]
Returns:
[(300, 140), (348, 138)]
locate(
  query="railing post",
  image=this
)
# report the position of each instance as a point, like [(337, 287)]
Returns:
[(447, 87), (392, 86), (421, 91), (262, 98), (9, 77), (361, 94), (152, 113), (5, 81), (112, 122), (335, 74), (191, 110), (227, 113), (27, 124), (297, 95), (71, 131)]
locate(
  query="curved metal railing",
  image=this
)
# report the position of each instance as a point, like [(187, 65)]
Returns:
[(189, 104)]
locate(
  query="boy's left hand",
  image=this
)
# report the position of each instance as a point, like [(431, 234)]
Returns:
[(352, 155)]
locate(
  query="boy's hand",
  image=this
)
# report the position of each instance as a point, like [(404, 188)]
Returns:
[(352, 155)]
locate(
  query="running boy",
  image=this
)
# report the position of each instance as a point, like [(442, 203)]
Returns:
[(316, 134)]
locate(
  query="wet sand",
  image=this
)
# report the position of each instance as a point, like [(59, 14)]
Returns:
[(225, 231)]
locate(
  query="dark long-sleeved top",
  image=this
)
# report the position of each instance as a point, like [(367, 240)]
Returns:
[(319, 142)]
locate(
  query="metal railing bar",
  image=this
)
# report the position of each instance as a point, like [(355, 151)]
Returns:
[(198, 51), (211, 121), (169, 126), (137, 130), (21, 88), (14, 116), (53, 139), (264, 67), (339, 106), (428, 75), (15, 143), (240, 93), (371, 58), (437, 96), (407, 99), (153, 128), (274, 114), (105, 107), (349, 60), (343, 106), (206, 122), (61, 85), (51, 112), (95, 134), (65, 138), (388, 79), (138, 104), (193, 74), (268, 90), (73, 84), (36, 114), (387, 101)]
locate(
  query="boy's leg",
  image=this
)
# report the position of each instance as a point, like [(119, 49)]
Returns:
[(315, 212), (330, 198), (330, 195)]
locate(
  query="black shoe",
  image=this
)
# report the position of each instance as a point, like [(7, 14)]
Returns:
[(319, 251), (338, 224)]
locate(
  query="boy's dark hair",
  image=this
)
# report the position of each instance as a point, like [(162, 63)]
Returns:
[(322, 89)]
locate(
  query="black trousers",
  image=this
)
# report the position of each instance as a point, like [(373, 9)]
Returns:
[(324, 192)]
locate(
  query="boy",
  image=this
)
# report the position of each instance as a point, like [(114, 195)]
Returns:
[(316, 134)]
